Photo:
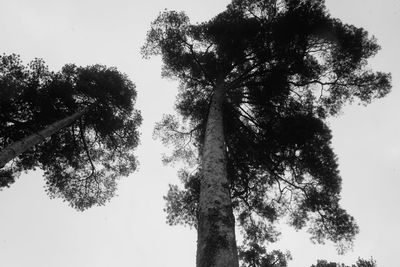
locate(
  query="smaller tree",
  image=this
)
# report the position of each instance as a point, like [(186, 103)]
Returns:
[(360, 263), (83, 157)]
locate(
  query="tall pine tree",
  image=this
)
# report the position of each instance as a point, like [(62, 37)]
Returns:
[(257, 83), (78, 125)]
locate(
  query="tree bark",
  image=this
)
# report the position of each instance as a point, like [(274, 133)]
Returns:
[(17, 148), (216, 244)]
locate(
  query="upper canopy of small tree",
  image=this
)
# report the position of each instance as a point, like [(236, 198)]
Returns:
[(286, 65), (82, 161), (360, 263)]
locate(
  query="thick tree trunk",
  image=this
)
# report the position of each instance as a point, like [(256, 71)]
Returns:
[(216, 244), (16, 148)]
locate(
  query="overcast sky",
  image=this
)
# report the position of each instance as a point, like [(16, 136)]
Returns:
[(130, 230)]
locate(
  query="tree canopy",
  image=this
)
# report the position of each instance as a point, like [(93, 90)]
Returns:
[(360, 263), (286, 66), (82, 162)]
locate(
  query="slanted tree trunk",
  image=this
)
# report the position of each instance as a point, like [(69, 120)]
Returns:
[(17, 148), (216, 244)]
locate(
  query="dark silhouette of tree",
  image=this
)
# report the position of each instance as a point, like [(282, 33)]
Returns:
[(78, 125), (360, 263), (19, 147), (256, 85)]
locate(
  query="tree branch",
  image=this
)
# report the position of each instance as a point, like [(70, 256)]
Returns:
[(86, 147)]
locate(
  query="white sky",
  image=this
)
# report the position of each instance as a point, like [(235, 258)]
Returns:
[(131, 231)]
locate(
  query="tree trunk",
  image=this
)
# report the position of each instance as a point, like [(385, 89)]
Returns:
[(16, 148), (216, 244)]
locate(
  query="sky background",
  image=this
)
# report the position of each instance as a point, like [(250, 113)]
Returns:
[(131, 231)]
